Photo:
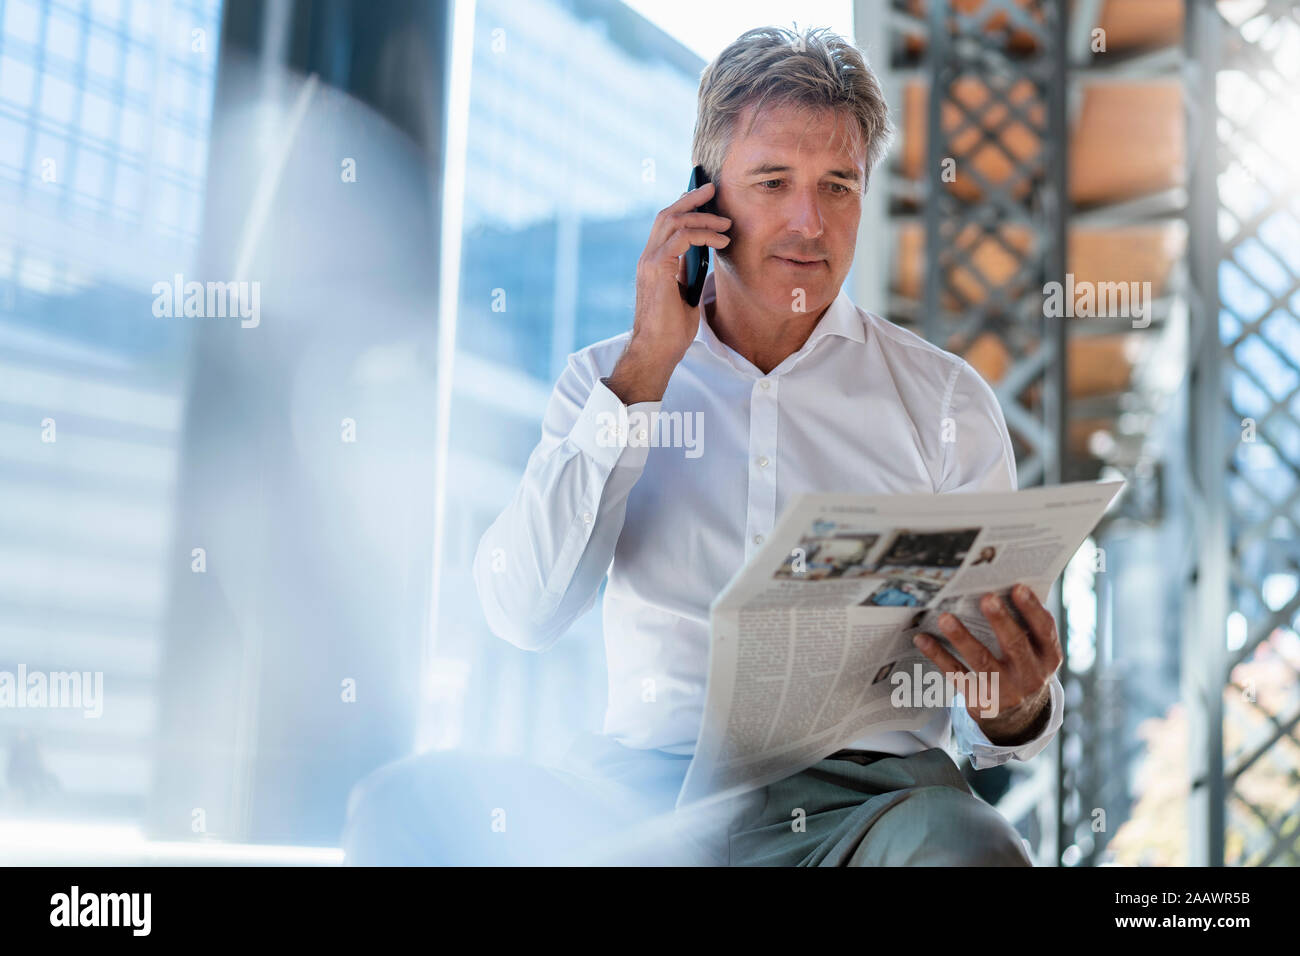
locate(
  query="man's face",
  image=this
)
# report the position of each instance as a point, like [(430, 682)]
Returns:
[(793, 189)]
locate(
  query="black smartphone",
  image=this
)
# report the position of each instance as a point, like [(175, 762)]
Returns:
[(697, 257)]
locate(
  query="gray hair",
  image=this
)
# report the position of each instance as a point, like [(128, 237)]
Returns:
[(816, 69)]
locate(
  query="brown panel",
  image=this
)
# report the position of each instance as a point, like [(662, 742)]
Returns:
[(1129, 25), (909, 259), (1021, 42), (985, 257), (1131, 254), (1134, 24), (1080, 431), (1128, 142), (1098, 364), (988, 356), (968, 146), (912, 157)]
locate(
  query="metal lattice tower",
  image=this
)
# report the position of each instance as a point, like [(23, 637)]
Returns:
[(993, 240), (1242, 656)]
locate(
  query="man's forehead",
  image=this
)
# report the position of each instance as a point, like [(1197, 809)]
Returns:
[(780, 131)]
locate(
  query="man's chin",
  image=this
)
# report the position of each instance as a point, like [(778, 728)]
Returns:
[(808, 295), (780, 293)]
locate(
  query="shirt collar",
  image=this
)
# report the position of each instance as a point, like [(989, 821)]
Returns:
[(840, 319)]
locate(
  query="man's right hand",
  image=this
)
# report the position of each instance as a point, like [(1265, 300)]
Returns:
[(664, 325)]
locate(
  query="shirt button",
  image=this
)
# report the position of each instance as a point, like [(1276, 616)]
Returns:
[(758, 539), (762, 461), (764, 384), (586, 517)]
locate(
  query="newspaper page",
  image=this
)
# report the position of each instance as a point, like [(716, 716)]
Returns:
[(804, 638)]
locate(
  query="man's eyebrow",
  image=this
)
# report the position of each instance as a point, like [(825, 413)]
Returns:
[(849, 175)]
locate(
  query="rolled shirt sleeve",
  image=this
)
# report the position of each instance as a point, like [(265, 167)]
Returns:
[(984, 753)]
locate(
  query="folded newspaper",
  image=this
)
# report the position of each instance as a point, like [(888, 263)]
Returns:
[(804, 638)]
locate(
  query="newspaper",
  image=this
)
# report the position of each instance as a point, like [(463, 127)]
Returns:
[(805, 636)]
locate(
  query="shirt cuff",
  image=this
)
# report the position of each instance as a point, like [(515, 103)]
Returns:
[(611, 433), (984, 753)]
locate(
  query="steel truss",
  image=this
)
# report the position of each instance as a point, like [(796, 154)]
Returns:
[(1241, 660)]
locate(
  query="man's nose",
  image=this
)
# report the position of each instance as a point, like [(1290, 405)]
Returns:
[(806, 213)]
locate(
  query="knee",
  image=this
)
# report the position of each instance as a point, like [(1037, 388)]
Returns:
[(384, 785), (392, 784), (393, 814), (966, 831), (943, 826)]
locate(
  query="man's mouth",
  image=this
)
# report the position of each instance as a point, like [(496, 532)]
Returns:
[(801, 263)]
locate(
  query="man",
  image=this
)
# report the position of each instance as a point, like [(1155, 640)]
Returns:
[(797, 390)]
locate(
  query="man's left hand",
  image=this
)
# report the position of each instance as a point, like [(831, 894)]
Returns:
[(1029, 659)]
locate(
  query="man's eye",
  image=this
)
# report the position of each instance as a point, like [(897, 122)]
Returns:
[(840, 188), (768, 181)]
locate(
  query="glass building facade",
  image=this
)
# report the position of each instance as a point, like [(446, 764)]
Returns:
[(104, 116), (580, 124)]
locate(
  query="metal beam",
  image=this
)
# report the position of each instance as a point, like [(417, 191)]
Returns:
[(1203, 673)]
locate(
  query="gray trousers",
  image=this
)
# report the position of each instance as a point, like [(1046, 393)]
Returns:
[(607, 804)]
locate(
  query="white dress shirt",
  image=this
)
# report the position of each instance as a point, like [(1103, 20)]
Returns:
[(860, 408)]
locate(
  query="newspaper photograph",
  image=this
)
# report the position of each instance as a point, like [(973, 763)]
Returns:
[(805, 637)]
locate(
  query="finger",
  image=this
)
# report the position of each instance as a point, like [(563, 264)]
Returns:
[(702, 220), (687, 204), (664, 229), (683, 239), (1042, 625), (689, 200), (929, 646), (1011, 636), (979, 656)]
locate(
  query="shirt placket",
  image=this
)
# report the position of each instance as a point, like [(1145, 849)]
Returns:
[(761, 508)]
